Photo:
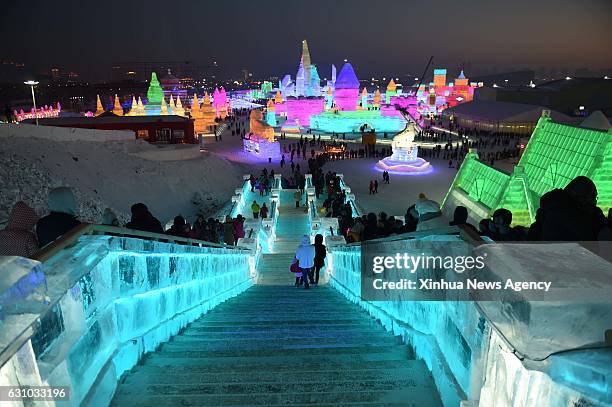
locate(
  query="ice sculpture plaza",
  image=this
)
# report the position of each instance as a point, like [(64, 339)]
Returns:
[(405, 159)]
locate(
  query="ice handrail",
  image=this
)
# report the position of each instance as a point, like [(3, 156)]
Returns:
[(69, 239), (72, 236), (466, 233)]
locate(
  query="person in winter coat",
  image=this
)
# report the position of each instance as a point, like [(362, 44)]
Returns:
[(178, 228), (238, 228), (460, 217), (297, 195), (263, 211), (430, 216), (18, 238), (305, 255), (62, 216), (228, 231), (143, 220), (255, 208), (319, 259), (252, 182)]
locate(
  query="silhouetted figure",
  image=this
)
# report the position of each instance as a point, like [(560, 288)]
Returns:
[(569, 214), (319, 259), (143, 220), (62, 218), (499, 228), (178, 228), (460, 217)]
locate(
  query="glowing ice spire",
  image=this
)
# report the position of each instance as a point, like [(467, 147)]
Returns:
[(164, 107), (377, 98), (306, 62), (99, 108), (195, 106), (179, 110), (364, 98), (155, 92), (172, 105), (134, 108), (117, 109), (140, 107)]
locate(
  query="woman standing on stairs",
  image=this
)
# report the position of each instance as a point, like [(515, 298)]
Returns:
[(305, 255), (319, 259)]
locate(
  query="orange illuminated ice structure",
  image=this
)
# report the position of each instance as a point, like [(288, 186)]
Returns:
[(439, 95), (99, 108), (207, 115), (439, 81), (261, 140), (117, 109)]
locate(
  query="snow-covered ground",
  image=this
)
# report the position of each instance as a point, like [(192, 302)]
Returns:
[(111, 174), (170, 178)]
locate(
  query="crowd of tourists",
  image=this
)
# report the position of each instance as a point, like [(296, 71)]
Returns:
[(25, 233), (568, 214)]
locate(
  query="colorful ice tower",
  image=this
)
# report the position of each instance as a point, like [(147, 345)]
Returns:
[(347, 88), (439, 81), (208, 114), (391, 91), (329, 98), (271, 113), (117, 109), (220, 102), (364, 98), (155, 94), (462, 89), (376, 100), (99, 108)]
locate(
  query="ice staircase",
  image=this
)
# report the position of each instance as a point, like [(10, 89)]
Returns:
[(277, 345), (292, 224)]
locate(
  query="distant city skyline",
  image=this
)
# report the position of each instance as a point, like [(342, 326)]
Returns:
[(388, 37)]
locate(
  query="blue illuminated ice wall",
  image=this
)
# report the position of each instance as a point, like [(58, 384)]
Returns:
[(119, 298), (447, 336)]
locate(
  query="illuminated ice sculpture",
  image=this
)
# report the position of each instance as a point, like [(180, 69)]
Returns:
[(261, 139), (405, 158)]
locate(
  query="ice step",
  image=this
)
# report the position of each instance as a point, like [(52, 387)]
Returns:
[(156, 375), (276, 345)]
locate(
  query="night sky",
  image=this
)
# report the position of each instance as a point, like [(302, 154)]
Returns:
[(377, 36)]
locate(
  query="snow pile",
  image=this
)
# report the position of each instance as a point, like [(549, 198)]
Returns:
[(109, 174)]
